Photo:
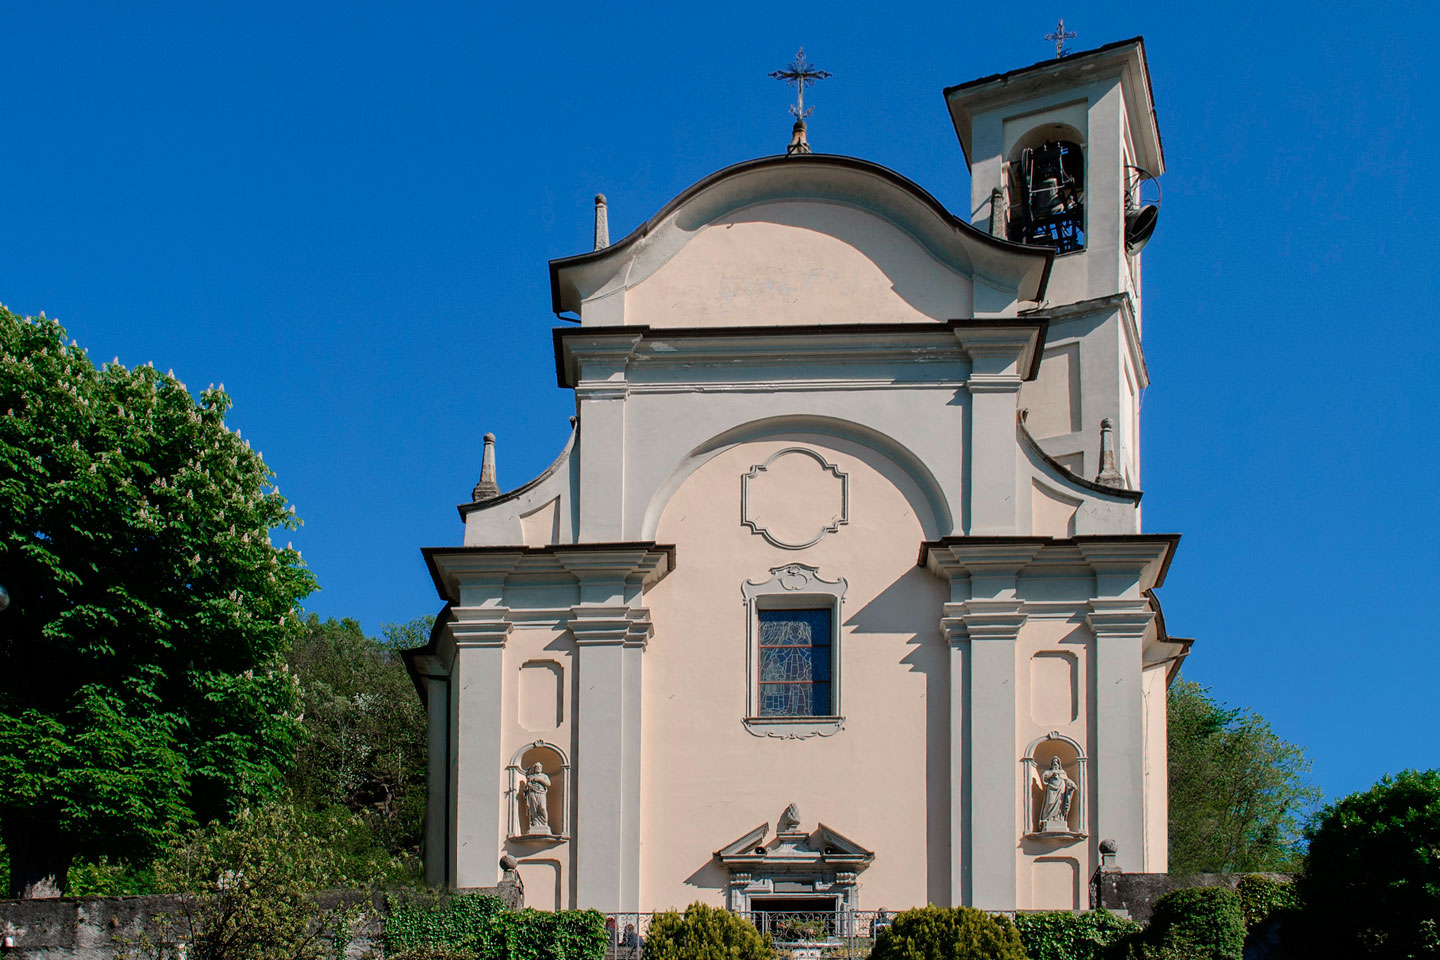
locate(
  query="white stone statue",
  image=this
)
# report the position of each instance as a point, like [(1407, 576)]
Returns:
[(1059, 793), (533, 793)]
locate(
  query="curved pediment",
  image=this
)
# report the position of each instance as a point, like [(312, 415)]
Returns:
[(799, 240)]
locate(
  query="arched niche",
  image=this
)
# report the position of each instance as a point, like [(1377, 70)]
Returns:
[(1042, 820), (886, 454), (1045, 186), (554, 780)]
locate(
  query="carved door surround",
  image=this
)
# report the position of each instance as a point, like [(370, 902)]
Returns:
[(818, 862)]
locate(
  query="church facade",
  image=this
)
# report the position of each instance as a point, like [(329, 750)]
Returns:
[(838, 595)]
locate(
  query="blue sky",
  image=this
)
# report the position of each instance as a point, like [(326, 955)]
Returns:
[(343, 212)]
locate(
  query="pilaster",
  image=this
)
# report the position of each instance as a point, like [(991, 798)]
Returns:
[(610, 640), (477, 685), (982, 634), (1120, 626), (981, 624), (600, 392), (996, 372), (439, 773)]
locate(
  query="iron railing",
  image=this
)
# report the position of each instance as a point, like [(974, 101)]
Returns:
[(819, 935)]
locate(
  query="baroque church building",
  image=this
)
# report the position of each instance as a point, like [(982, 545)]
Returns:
[(837, 596)]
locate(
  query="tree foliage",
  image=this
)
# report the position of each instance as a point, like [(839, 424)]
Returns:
[(1237, 791), (145, 689), (1371, 886), (256, 889), (364, 747)]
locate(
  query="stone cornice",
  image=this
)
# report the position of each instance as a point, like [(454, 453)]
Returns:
[(1146, 555), (452, 567), (991, 619), (1120, 619), (1121, 302), (610, 625), (678, 348), (480, 626)]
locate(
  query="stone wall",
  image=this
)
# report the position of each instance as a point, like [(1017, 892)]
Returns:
[(1136, 893), (92, 928)]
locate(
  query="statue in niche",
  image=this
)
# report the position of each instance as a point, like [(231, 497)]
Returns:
[(533, 794), (1059, 794)]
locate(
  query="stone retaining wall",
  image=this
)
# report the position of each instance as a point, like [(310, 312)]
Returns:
[(92, 928), (1136, 893)]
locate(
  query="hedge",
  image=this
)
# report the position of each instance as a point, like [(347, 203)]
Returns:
[(1063, 935), (948, 933), (482, 928), (1201, 923), (704, 932)]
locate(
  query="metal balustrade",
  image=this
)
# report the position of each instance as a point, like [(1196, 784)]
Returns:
[(818, 935)]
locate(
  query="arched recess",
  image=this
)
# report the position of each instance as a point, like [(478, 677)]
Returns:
[(933, 511), (1045, 131), (555, 765), (1035, 765)]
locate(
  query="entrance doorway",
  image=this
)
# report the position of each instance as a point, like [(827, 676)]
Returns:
[(796, 919)]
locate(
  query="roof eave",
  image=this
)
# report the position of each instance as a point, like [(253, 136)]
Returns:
[(961, 98)]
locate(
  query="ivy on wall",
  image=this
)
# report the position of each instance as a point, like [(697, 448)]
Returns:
[(481, 927)]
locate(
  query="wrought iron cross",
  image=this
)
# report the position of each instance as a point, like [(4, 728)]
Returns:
[(1060, 36), (800, 75)]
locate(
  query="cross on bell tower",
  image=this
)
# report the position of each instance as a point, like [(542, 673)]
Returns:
[(1060, 36), (799, 74)]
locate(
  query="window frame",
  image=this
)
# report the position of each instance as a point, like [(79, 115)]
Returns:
[(793, 586), (828, 645)]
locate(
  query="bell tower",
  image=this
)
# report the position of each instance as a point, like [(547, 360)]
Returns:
[(1065, 154)]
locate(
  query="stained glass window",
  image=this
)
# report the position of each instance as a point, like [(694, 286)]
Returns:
[(795, 663)]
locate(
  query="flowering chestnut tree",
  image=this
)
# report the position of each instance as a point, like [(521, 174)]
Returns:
[(143, 687)]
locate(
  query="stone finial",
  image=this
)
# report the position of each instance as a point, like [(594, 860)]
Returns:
[(789, 820), (798, 143), (510, 871), (487, 488), (997, 213), (602, 223), (1108, 849), (1109, 474)]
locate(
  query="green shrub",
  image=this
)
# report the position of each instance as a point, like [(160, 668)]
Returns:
[(1262, 896), (250, 890), (465, 924), (948, 933), (1063, 935), (704, 933), (1202, 923), (480, 927), (542, 935), (1371, 885), (431, 953)]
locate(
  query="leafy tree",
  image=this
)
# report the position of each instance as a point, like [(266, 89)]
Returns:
[(1237, 791), (1371, 886), (144, 688), (259, 888), (365, 729)]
